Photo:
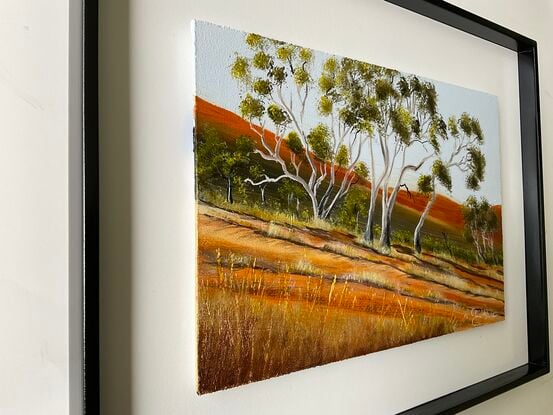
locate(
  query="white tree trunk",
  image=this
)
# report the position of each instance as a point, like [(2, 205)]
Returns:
[(417, 241)]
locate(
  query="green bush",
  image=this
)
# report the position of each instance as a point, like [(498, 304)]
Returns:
[(402, 237)]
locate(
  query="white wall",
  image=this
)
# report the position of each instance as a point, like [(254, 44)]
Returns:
[(34, 233), (146, 210)]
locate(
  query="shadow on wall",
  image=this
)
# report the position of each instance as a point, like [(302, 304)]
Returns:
[(115, 210)]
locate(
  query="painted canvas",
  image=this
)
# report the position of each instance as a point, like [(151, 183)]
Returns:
[(343, 208)]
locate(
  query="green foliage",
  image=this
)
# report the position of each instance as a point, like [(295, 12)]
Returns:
[(471, 126), (477, 130), (452, 125), (384, 89), (436, 131), (290, 187), (261, 60), (293, 193), (439, 246), (361, 169), (441, 172), (478, 214), (285, 53), (415, 85), (325, 105), (416, 127), (481, 223), (472, 182), (294, 142), (330, 65), (228, 160), (254, 40), (243, 147), (319, 141), (255, 170), (477, 162), (215, 159), (277, 115), (425, 184), (404, 87), (353, 207), (262, 87), (428, 98), (251, 108), (306, 55), (465, 123), (240, 68), (477, 166), (348, 116), (402, 237), (277, 74), (326, 83), (208, 143), (301, 76), (401, 123), (238, 187), (466, 154), (342, 156)]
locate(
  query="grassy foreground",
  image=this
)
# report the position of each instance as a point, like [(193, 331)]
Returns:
[(274, 298), (251, 329)]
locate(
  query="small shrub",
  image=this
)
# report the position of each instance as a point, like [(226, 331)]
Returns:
[(402, 237)]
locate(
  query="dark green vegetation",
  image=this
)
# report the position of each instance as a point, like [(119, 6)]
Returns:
[(481, 222)]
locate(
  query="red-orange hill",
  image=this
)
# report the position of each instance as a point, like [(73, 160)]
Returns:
[(230, 124)]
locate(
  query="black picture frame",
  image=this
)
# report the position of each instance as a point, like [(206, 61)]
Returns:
[(90, 202), (534, 233), (536, 287)]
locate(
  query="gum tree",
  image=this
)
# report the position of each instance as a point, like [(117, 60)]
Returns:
[(351, 114), (364, 90), (463, 154), (278, 83), (413, 120), (481, 222)]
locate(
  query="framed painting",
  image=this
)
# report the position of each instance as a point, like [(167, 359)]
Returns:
[(344, 208)]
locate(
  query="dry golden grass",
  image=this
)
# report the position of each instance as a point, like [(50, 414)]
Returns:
[(244, 338), (273, 298), (453, 281), (255, 324)]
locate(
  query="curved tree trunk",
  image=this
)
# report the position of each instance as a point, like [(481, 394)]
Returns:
[(418, 230), (388, 207)]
